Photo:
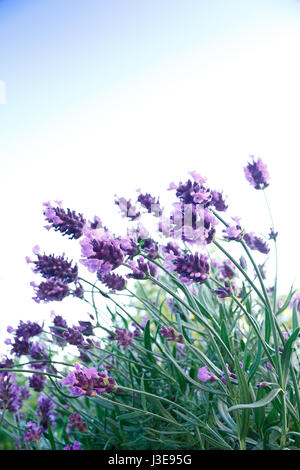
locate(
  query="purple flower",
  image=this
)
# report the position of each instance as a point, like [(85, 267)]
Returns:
[(11, 395), (218, 201), (50, 266), (141, 269), (45, 411), (124, 337), (50, 290), (268, 366), (33, 433), (231, 374), (101, 251), (170, 334), (37, 382), (204, 375), (256, 243), (257, 174), (75, 446), (234, 232), (77, 423), (149, 202), (90, 382), (223, 292), (273, 235), (172, 247), (227, 269), (192, 268), (58, 329), (112, 281), (28, 330), (262, 384), (296, 300), (67, 222)]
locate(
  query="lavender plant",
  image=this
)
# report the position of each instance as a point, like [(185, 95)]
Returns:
[(195, 355)]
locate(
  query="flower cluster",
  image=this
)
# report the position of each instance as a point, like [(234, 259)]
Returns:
[(257, 174), (88, 381)]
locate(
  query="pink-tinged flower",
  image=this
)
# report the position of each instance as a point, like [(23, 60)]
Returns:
[(88, 381), (262, 384), (257, 174), (204, 375)]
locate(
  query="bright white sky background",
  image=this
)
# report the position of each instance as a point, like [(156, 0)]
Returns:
[(106, 96)]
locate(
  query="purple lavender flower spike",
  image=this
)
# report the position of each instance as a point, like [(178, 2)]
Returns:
[(45, 411), (50, 266), (262, 384), (256, 243), (37, 382), (141, 269), (170, 334), (192, 268), (67, 222), (257, 174), (150, 203), (124, 337), (76, 422), (218, 201), (112, 281), (50, 290), (33, 433)]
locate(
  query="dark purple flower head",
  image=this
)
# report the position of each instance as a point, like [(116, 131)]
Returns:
[(218, 201), (38, 351), (20, 347), (192, 268), (257, 174), (75, 446), (60, 325), (101, 251), (76, 422), (141, 269), (67, 222), (150, 203), (33, 433), (50, 266), (193, 193), (27, 330), (124, 337), (204, 375), (90, 382), (231, 374), (256, 243), (50, 290), (227, 269), (37, 382), (45, 411), (11, 395), (170, 334), (112, 281), (172, 247), (150, 247), (74, 336)]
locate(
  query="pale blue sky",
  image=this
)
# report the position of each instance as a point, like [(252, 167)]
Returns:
[(103, 97)]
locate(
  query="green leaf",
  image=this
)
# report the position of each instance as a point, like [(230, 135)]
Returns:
[(147, 342), (287, 301), (50, 435), (287, 352), (257, 404)]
